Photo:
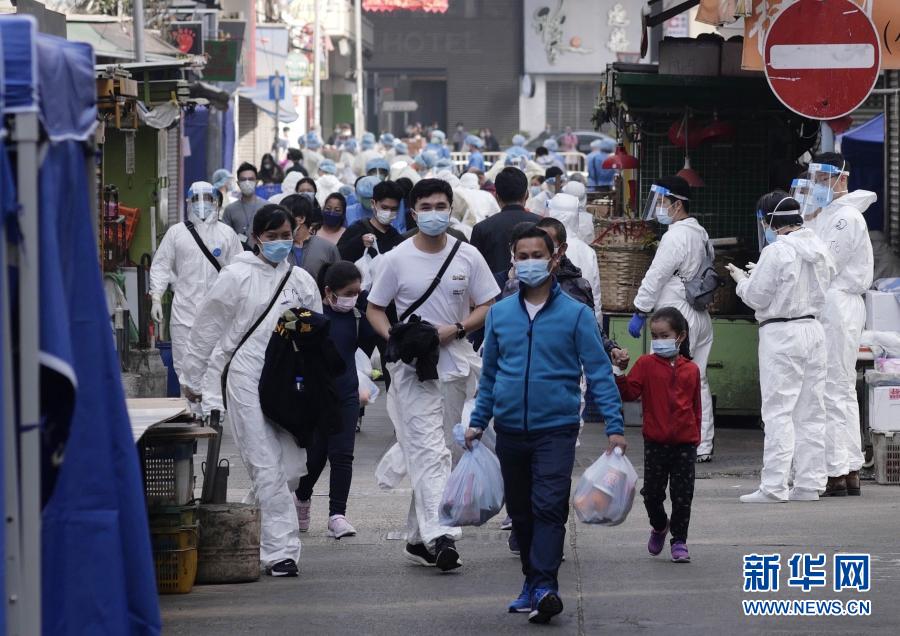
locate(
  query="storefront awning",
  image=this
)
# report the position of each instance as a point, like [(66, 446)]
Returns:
[(259, 95), (114, 40)]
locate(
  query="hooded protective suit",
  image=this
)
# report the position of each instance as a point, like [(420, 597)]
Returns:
[(479, 203), (311, 156), (842, 228), (564, 207), (401, 169), (273, 460), (682, 250), (326, 185), (288, 187), (179, 262), (790, 281), (585, 220)]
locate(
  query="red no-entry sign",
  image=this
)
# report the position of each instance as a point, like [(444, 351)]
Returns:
[(822, 57)]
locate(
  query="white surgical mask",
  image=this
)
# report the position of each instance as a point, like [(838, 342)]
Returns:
[(385, 217), (247, 187)]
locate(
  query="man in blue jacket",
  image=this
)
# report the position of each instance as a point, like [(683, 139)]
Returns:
[(530, 386)]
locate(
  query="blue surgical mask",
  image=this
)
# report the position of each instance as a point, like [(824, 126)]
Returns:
[(276, 251), (667, 347), (535, 190), (433, 223), (771, 235), (662, 216), (533, 271), (822, 195)]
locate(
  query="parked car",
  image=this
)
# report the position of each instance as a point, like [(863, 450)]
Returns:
[(585, 137)]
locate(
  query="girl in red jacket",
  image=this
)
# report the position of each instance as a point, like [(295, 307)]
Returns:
[(668, 384)]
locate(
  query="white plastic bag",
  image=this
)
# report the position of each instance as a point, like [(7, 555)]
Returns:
[(391, 470), (364, 265), (363, 363), (489, 438), (605, 492), (368, 390), (474, 492)]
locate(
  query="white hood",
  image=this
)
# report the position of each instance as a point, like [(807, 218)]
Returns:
[(812, 250), (859, 199)]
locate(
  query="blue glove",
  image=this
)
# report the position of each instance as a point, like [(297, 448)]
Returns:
[(636, 324)]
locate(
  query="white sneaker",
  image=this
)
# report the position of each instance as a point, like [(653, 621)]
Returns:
[(338, 527), (759, 497), (803, 494)]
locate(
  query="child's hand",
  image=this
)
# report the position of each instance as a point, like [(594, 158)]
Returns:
[(620, 358)]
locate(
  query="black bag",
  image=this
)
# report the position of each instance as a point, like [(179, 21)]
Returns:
[(296, 387), (700, 291)]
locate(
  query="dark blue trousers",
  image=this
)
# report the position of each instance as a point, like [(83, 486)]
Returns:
[(537, 477)]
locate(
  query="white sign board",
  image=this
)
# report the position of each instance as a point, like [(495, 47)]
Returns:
[(580, 36), (399, 107)]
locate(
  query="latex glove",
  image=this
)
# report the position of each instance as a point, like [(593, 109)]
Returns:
[(750, 267), (736, 273), (636, 325), (156, 312)]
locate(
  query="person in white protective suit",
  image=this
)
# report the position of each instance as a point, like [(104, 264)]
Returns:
[(368, 151), (836, 217), (564, 207), (401, 170), (585, 219), (426, 401), (181, 263), (288, 186), (311, 156), (327, 183), (387, 147), (401, 153), (787, 290), (346, 165), (248, 298), (480, 204), (681, 252)]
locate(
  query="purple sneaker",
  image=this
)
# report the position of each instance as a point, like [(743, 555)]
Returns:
[(657, 540), (680, 552)]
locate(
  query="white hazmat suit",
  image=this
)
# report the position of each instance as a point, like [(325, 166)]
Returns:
[(479, 203), (273, 460), (790, 281), (678, 258), (564, 208), (842, 228), (180, 262)]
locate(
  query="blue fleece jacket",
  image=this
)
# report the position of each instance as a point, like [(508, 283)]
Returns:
[(531, 372)]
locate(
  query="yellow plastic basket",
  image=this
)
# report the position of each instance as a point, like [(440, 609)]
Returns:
[(175, 558)]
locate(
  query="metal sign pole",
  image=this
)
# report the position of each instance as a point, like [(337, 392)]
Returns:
[(26, 138), (360, 112), (277, 85), (317, 69)]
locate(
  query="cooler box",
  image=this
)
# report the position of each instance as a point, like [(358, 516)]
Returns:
[(884, 408), (882, 311)]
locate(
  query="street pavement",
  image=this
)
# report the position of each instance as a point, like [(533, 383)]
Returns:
[(609, 583)]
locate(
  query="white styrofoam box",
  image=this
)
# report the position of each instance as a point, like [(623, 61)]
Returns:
[(884, 408), (882, 311)]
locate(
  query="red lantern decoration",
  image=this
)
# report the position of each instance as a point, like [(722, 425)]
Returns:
[(621, 160)]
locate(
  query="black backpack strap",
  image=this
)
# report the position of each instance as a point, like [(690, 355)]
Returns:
[(212, 259), (437, 280), (250, 331)]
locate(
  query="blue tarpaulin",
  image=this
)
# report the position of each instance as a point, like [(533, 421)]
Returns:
[(195, 129), (864, 149)]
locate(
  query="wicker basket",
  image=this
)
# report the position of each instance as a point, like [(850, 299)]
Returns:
[(623, 256)]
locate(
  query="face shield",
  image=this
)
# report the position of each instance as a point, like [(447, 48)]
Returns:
[(202, 200), (659, 205), (765, 232), (823, 179), (801, 190)]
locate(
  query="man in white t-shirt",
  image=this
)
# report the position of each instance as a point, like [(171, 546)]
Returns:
[(423, 410)]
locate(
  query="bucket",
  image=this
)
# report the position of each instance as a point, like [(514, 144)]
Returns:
[(229, 543), (173, 388)]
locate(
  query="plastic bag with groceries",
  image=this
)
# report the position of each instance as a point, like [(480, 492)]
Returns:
[(474, 492), (605, 492)]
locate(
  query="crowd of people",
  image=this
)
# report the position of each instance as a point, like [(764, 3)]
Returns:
[(479, 283)]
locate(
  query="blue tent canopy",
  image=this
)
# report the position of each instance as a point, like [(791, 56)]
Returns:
[(863, 147)]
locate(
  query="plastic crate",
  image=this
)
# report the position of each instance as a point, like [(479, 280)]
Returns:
[(174, 516), (886, 455), (168, 473), (176, 570), (174, 538)]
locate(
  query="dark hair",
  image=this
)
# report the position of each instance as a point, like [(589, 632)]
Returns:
[(387, 190), (295, 154), (511, 184), (835, 159), (528, 230), (337, 275), (540, 178), (557, 225), (676, 185), (304, 207), (340, 197), (306, 180), (426, 187), (679, 325), (358, 179), (271, 217), (406, 185), (767, 204), (553, 171), (541, 151), (247, 166)]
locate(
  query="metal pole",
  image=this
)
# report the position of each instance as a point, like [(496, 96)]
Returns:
[(138, 28), (277, 111), (317, 69), (26, 137), (826, 134), (360, 112)]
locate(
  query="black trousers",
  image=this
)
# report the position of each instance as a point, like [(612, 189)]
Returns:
[(673, 464)]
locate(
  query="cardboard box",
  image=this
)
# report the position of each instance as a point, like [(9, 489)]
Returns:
[(884, 408), (882, 311)]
